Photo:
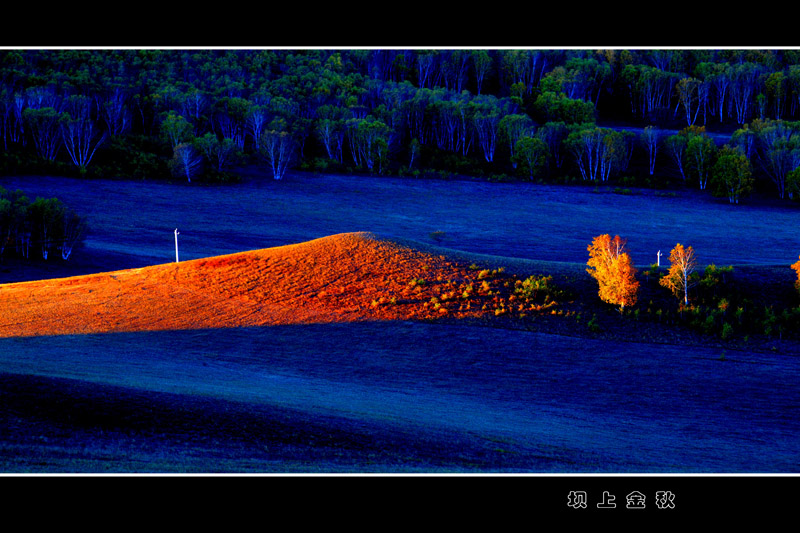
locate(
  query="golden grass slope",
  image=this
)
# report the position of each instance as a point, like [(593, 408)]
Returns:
[(340, 278)]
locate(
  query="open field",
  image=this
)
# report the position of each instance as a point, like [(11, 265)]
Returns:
[(239, 365), (132, 223), (390, 397), (349, 277)]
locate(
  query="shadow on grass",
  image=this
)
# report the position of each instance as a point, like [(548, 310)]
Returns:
[(389, 397)]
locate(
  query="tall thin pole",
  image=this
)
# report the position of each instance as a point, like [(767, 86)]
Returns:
[(176, 245)]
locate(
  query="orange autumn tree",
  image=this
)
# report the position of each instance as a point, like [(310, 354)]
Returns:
[(796, 268), (613, 269), (679, 277)]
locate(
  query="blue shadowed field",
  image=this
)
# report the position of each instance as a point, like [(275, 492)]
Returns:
[(401, 396), (404, 397), (515, 220)]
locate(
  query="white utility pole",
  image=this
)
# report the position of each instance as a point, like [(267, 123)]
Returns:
[(176, 245), (658, 258)]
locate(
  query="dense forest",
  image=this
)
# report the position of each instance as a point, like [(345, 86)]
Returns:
[(530, 114)]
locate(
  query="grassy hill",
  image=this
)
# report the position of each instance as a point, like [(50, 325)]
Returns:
[(356, 277), (341, 278)]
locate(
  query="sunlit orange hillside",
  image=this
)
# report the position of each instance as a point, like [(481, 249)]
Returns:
[(341, 278)]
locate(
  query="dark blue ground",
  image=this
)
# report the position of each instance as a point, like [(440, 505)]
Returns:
[(516, 220), (401, 397)]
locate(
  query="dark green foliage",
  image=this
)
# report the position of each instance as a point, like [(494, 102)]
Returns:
[(558, 107), (539, 289), (534, 286), (530, 154), (415, 112), (731, 175), (720, 307), (593, 326), (38, 229), (727, 331), (132, 157)]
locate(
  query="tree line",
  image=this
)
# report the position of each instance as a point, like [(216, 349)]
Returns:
[(39, 228), (522, 114)]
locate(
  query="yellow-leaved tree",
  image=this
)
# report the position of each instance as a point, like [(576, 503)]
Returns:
[(796, 268), (613, 269), (679, 277)]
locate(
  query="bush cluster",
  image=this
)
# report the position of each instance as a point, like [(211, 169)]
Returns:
[(36, 229)]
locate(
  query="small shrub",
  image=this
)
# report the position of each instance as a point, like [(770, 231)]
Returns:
[(437, 235), (769, 320), (709, 324), (727, 331), (537, 286), (593, 325)]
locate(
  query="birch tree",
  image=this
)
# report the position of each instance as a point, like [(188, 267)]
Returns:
[(486, 113), (454, 69), (513, 127), (679, 278), (74, 230), (650, 88), (176, 129), (700, 154), (47, 218), (585, 146), (613, 269), (597, 152), (731, 174), (777, 149), (230, 119), (255, 122), (114, 111), (427, 69), (650, 138), (486, 122), (219, 152), (195, 105), (276, 147), (6, 224), (793, 183), (362, 135), (186, 162), (331, 134), (331, 130), (482, 63), (689, 92), (718, 76), (81, 133), (530, 155), (413, 152), (44, 125), (553, 135), (676, 148), (744, 86)]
